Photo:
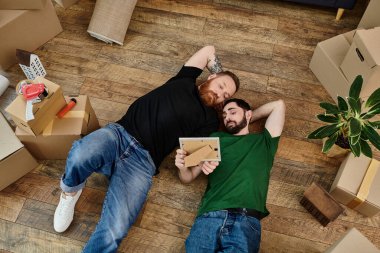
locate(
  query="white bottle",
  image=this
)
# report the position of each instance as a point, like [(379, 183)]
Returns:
[(4, 83)]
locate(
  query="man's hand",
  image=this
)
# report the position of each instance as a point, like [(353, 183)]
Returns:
[(208, 167), (180, 159)]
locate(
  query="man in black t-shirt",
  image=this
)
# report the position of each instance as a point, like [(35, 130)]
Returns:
[(131, 150)]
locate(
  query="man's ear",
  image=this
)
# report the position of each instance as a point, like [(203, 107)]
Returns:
[(248, 115), (211, 76)]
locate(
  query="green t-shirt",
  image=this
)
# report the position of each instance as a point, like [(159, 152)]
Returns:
[(241, 180)]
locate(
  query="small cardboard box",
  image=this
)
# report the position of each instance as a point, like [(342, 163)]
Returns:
[(355, 173), (66, 3), (44, 111), (327, 57), (21, 4), (27, 30), (15, 160), (363, 58), (57, 138), (352, 242)]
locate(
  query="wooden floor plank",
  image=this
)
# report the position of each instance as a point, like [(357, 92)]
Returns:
[(10, 206), (22, 239)]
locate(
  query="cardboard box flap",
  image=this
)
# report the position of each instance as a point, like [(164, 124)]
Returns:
[(352, 176), (9, 143), (7, 16), (368, 44)]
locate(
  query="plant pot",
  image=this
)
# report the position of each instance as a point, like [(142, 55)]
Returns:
[(336, 151)]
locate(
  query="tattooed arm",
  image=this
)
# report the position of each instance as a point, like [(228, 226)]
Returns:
[(206, 57)]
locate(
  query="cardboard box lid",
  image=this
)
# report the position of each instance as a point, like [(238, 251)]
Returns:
[(21, 4), (7, 16), (9, 143), (368, 43), (352, 176), (352, 242)]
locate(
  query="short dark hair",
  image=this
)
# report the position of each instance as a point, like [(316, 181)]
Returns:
[(233, 76), (240, 102)]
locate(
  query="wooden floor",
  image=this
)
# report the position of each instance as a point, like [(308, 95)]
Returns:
[(268, 43)]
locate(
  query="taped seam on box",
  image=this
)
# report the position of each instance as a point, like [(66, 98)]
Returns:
[(365, 186)]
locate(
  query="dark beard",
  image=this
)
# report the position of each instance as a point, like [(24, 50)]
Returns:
[(208, 97), (238, 127)]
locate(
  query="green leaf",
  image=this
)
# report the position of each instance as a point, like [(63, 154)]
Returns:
[(355, 127), (375, 124), (372, 135), (323, 132), (366, 149), (355, 105), (330, 108), (374, 110), (329, 143), (355, 139), (374, 98), (355, 148), (356, 87), (342, 104), (327, 118)]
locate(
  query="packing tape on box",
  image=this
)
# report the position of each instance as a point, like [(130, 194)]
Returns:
[(363, 192), (71, 114)]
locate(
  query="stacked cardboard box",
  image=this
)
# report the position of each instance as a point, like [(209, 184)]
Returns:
[(15, 160), (57, 137), (329, 55), (26, 29), (46, 136)]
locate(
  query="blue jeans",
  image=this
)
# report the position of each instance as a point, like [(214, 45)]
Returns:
[(114, 153), (222, 231)]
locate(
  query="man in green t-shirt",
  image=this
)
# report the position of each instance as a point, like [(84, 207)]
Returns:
[(229, 215)]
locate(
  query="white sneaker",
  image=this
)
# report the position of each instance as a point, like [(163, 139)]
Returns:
[(64, 213)]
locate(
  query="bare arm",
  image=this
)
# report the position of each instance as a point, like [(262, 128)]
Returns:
[(275, 111), (187, 175), (206, 57)]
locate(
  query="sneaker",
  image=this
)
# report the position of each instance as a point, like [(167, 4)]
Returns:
[(64, 213)]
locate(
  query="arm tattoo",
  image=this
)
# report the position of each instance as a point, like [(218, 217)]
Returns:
[(214, 65)]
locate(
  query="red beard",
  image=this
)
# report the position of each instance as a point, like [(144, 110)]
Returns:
[(208, 97)]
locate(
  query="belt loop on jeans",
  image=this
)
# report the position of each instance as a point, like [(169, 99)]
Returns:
[(246, 211)]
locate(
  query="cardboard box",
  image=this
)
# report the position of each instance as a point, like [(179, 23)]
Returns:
[(325, 64), (371, 17), (66, 3), (57, 138), (363, 58), (15, 160), (352, 242), (27, 30), (354, 174), (21, 4), (44, 111)]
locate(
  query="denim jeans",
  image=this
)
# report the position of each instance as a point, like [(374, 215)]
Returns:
[(129, 167), (222, 231)]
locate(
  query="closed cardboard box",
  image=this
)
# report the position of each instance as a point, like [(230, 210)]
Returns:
[(27, 30), (22, 4), (325, 64), (44, 111), (15, 160), (353, 242), (363, 58), (358, 177), (57, 138)]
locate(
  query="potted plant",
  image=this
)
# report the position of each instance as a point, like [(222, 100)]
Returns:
[(349, 125)]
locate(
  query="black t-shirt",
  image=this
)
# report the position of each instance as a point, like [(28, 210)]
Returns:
[(168, 112)]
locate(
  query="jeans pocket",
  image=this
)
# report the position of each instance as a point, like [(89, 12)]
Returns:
[(253, 223)]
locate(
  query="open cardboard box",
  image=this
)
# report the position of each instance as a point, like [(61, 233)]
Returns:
[(58, 136), (15, 160)]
